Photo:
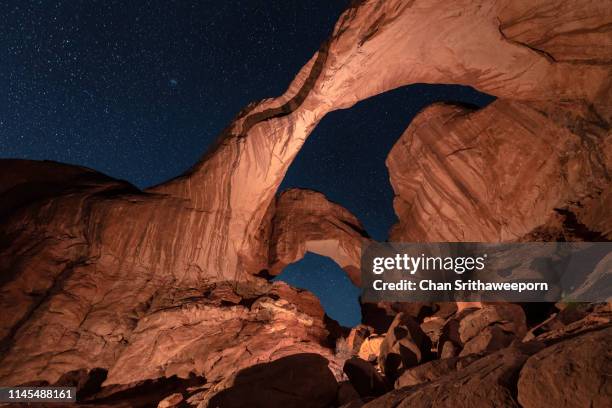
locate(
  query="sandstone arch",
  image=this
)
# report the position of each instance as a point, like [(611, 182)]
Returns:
[(305, 221), (377, 46), (104, 262)]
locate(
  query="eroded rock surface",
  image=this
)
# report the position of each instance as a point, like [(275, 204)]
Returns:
[(432, 370), (305, 221), (498, 173), (208, 332), (405, 345), (572, 373), (487, 382)]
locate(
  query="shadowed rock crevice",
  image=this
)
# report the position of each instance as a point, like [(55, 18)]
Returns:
[(145, 394), (579, 230), (87, 383)]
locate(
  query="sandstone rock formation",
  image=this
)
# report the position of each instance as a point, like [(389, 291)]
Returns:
[(305, 221), (364, 377), (486, 377), (431, 383), (557, 327), (405, 346), (370, 348), (495, 174), (432, 370), (484, 383), (518, 165), (149, 286), (575, 365), (491, 328), (299, 380)]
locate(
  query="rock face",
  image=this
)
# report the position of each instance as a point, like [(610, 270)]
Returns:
[(300, 380), (364, 377), (498, 173), (526, 165), (484, 383), (405, 346), (210, 332), (491, 328), (305, 221), (572, 373), (217, 332), (97, 276), (432, 370), (485, 329)]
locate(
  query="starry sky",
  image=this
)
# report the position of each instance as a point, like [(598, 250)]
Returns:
[(139, 89)]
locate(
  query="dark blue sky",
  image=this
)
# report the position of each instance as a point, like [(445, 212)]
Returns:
[(139, 89)]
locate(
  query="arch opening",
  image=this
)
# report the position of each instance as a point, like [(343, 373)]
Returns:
[(326, 279), (344, 157)]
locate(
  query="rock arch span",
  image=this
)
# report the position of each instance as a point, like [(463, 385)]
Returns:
[(99, 272), (376, 46)]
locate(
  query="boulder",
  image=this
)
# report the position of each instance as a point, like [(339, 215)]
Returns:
[(405, 345), (364, 377), (478, 330), (489, 339), (448, 349), (554, 329), (432, 326), (433, 370), (170, 401), (356, 337), (449, 342), (572, 373), (299, 380), (487, 382), (347, 394), (506, 316), (370, 348)]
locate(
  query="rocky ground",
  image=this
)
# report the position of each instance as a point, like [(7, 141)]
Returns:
[(489, 356), (163, 296)]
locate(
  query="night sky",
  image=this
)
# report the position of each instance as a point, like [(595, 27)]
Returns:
[(139, 89)]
